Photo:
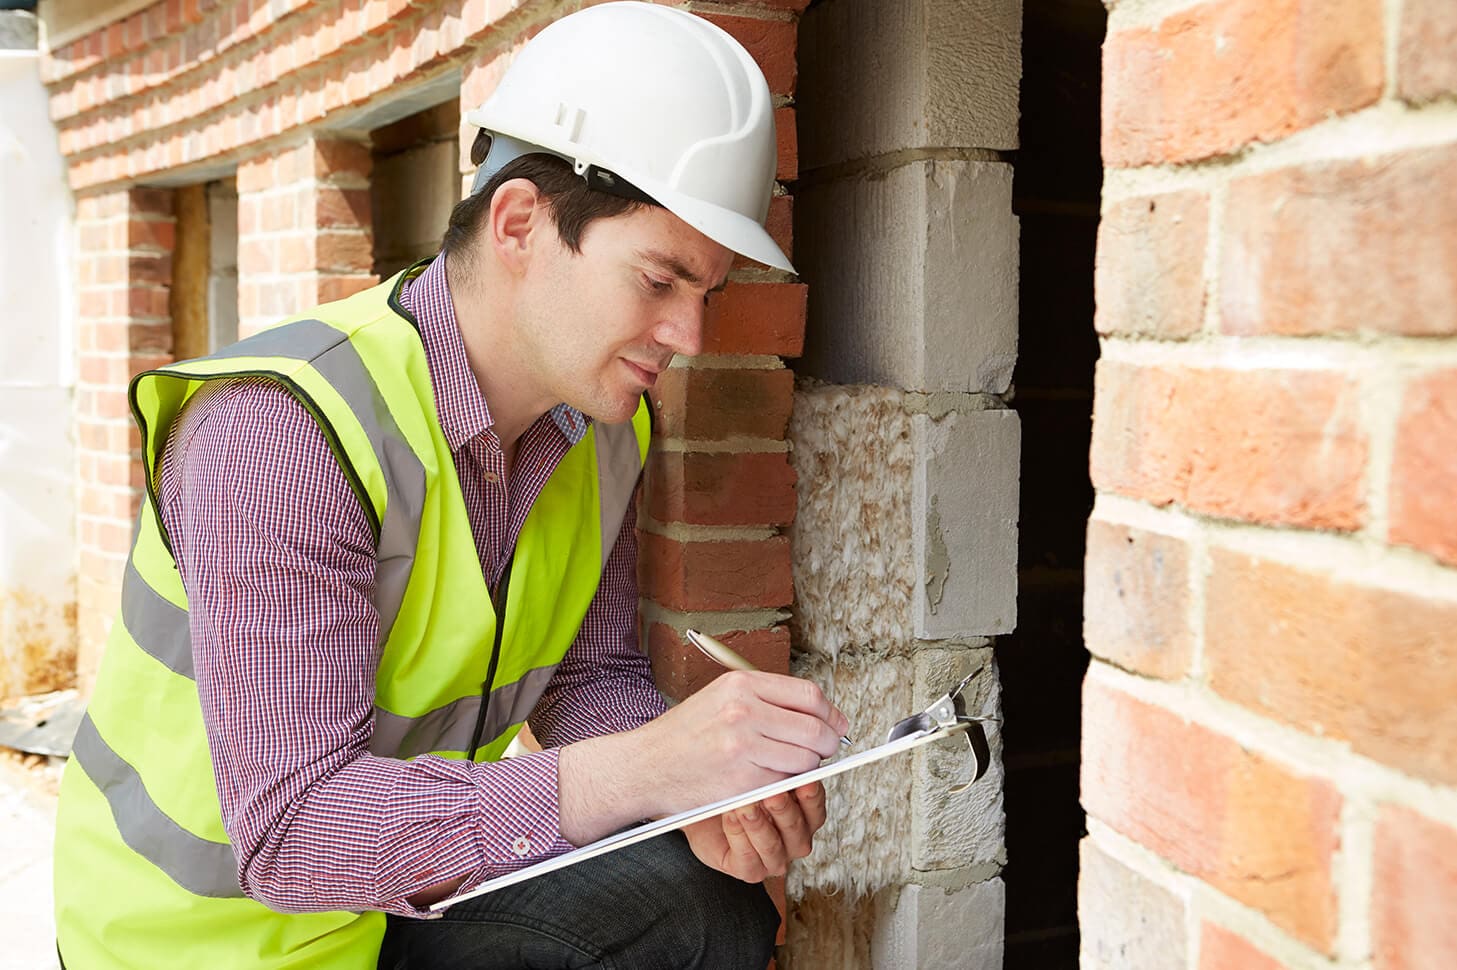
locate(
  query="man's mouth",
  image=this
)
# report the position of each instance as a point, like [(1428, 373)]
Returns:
[(647, 376)]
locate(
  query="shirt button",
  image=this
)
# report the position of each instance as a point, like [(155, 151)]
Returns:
[(522, 847), (493, 478)]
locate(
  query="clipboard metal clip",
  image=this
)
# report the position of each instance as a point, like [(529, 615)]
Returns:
[(947, 713)]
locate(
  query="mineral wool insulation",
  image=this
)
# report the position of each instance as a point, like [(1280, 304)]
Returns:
[(853, 449)]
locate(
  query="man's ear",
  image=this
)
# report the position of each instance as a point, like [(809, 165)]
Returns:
[(513, 226)]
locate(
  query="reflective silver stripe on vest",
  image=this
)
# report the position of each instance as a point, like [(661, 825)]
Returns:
[(202, 867), (334, 357), (157, 626), (449, 728), (619, 463)]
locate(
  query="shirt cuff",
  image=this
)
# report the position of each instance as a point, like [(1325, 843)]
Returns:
[(517, 825)]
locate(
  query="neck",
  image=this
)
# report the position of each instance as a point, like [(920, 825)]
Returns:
[(483, 309)]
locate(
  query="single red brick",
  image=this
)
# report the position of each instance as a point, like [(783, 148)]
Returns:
[(1374, 667), (1287, 268), (341, 208), (1426, 64), (680, 669), (1210, 79), (147, 301), (296, 253), (1128, 920), (780, 226), (150, 267), (151, 201), (1252, 828), (343, 252), (756, 318), (149, 339), (727, 575), (1415, 891), (281, 212), (1274, 446), (94, 304), (717, 403), (156, 234), (256, 175), (1221, 949), (333, 157), (721, 488), (1150, 269), (257, 256), (1424, 468), (1136, 599), (787, 135)]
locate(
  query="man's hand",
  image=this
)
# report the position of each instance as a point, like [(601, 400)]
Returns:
[(760, 840), (744, 730)]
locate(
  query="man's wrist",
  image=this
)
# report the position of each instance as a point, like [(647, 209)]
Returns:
[(598, 790)]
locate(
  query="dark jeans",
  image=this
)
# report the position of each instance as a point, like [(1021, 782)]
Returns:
[(649, 906)]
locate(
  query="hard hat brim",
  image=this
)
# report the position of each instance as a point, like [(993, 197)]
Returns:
[(726, 227)]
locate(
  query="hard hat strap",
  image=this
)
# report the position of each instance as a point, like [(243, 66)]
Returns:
[(601, 180), (505, 149)]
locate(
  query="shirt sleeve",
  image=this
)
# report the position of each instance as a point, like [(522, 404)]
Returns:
[(278, 563), (604, 683)]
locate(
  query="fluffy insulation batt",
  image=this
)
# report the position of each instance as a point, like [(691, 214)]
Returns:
[(892, 822), (851, 539), (866, 839)]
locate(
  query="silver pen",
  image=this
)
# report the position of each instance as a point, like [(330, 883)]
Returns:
[(722, 655)]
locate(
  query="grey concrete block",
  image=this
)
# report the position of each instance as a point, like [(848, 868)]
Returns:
[(913, 277), (950, 829), (964, 509), (878, 77), (934, 927)]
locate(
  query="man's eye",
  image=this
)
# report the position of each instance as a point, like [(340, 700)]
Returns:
[(661, 286)]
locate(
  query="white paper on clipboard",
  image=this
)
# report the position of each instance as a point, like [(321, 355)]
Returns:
[(674, 822)]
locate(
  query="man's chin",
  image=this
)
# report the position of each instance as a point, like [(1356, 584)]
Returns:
[(613, 412)]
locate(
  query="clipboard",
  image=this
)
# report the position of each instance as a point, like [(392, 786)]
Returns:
[(944, 718)]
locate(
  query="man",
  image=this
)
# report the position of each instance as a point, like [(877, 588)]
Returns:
[(381, 536)]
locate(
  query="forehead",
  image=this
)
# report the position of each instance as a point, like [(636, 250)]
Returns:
[(657, 236)]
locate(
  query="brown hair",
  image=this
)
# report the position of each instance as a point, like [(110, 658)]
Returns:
[(571, 203)]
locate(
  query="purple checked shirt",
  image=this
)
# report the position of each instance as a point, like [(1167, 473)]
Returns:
[(278, 562)]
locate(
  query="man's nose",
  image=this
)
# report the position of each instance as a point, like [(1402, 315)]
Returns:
[(681, 329)]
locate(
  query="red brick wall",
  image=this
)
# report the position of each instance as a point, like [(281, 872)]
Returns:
[(1272, 559)]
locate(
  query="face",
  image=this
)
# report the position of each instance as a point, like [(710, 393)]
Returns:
[(599, 326)]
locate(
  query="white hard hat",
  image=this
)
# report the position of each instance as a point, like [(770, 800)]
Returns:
[(651, 96)]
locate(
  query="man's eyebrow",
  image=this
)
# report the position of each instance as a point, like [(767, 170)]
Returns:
[(674, 265)]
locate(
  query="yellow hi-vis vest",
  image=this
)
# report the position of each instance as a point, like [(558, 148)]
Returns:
[(144, 875)]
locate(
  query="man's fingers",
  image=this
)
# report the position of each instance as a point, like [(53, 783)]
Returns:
[(803, 730), (742, 861), (782, 756), (811, 799), (763, 834), (794, 830), (796, 694)]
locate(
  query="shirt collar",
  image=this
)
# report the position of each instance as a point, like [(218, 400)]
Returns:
[(459, 402)]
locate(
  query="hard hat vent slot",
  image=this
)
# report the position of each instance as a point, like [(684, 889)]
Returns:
[(569, 119)]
